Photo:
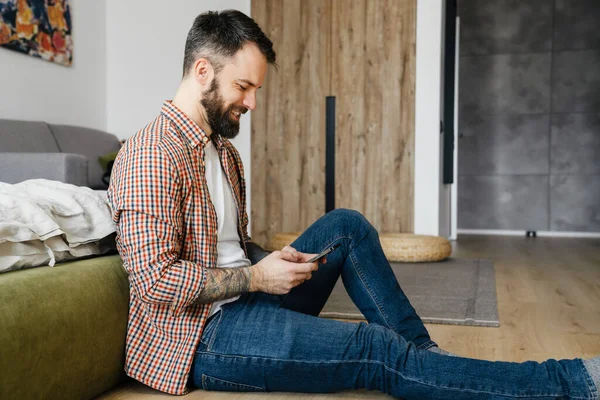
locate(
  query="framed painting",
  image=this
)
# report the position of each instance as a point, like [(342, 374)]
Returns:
[(40, 28)]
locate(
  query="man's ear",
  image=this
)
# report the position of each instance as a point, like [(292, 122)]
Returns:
[(203, 71)]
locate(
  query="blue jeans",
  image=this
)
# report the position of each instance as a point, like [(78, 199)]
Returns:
[(264, 342)]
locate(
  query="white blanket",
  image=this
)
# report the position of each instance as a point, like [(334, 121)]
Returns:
[(44, 221)]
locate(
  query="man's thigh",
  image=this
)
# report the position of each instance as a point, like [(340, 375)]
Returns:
[(257, 345), (256, 325)]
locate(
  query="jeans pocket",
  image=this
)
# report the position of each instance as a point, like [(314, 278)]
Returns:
[(211, 383), (210, 328)]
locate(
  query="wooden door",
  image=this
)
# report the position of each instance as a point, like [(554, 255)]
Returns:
[(288, 141), (373, 79)]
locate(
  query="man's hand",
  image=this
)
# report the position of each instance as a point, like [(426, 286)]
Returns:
[(281, 271), (302, 257)]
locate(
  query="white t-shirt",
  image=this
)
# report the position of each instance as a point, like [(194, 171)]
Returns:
[(230, 252)]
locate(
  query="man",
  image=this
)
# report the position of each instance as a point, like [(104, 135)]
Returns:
[(207, 312)]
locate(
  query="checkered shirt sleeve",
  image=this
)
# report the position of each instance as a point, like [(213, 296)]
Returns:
[(150, 230)]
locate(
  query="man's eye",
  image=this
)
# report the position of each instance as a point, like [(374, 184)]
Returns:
[(242, 88)]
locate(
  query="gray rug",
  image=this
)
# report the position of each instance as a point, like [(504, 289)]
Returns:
[(455, 291)]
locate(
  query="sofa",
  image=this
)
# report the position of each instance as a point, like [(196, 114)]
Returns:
[(34, 149), (62, 328)]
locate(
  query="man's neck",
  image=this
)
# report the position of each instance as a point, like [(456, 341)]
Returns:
[(193, 109)]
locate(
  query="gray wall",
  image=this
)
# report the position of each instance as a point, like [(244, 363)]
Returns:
[(529, 106)]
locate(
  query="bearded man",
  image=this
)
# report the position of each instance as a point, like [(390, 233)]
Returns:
[(209, 310)]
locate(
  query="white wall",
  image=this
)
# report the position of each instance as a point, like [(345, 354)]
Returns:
[(144, 61), (428, 98), (35, 89), (145, 44)]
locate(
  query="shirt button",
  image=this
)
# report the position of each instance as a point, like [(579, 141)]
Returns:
[(204, 140)]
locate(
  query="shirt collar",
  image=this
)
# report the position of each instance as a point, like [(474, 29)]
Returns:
[(191, 130)]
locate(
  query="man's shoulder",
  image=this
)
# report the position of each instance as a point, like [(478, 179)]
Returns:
[(152, 156), (160, 136)]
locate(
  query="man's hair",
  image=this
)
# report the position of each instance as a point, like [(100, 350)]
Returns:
[(217, 36)]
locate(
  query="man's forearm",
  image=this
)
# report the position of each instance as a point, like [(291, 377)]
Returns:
[(225, 283)]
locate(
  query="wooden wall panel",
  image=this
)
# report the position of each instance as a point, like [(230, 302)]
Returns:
[(348, 85), (288, 142), (373, 78), (363, 52), (265, 189)]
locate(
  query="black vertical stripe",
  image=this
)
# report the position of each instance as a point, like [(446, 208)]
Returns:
[(329, 153)]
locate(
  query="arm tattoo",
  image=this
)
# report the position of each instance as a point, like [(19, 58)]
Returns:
[(224, 283)]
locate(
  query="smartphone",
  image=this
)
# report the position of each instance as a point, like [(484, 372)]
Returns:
[(324, 253)]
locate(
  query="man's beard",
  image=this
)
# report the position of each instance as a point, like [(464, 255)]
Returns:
[(220, 120)]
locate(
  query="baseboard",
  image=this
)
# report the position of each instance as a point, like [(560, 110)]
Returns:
[(500, 232)]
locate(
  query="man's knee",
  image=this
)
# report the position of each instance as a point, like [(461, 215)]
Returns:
[(351, 219), (377, 339)]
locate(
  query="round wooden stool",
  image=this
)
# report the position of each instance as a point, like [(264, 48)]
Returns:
[(408, 247)]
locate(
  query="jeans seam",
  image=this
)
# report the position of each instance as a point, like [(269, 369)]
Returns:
[(427, 345), (593, 390), (381, 363), (336, 239), (370, 292), (213, 334), (234, 384), (481, 391)]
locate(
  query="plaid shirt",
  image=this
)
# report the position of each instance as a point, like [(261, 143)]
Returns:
[(167, 236)]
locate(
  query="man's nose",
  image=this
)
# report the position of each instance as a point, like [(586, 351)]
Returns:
[(250, 101)]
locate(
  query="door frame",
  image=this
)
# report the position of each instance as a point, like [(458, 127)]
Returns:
[(428, 114), (436, 210), (454, 192)]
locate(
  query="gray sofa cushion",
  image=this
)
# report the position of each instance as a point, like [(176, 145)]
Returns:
[(26, 136), (91, 143), (68, 168)]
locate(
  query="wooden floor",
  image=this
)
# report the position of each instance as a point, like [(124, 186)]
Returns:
[(548, 301)]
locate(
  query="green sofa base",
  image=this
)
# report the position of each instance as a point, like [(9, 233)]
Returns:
[(62, 329)]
